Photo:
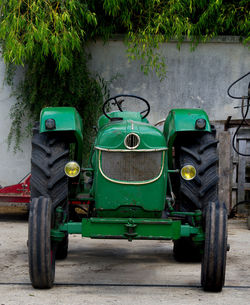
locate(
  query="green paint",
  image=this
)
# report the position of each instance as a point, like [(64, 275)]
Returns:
[(112, 135), (187, 230), (125, 115), (121, 227), (182, 120), (129, 228), (128, 209), (71, 227), (67, 119), (115, 200), (57, 235)]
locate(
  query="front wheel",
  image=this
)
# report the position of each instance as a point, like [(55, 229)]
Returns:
[(41, 249), (214, 258)]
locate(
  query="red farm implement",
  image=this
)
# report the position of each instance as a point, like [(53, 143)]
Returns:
[(15, 198)]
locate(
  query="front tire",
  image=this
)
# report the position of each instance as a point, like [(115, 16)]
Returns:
[(41, 249), (213, 265)]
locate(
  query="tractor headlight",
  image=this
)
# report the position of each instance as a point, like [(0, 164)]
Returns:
[(50, 124), (200, 124), (72, 169), (188, 172)]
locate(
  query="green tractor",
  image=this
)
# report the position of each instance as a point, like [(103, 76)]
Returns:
[(141, 183)]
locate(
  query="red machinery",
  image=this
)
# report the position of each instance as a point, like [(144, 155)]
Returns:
[(15, 199), (18, 196), (18, 193)]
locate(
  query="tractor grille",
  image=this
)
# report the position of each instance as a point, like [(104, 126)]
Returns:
[(131, 166)]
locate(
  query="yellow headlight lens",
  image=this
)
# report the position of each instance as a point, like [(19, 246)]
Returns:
[(188, 172), (72, 169)]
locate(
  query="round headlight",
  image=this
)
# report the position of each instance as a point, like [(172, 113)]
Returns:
[(200, 124), (50, 124), (188, 172), (72, 169)]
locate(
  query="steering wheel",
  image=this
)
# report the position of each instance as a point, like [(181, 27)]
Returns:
[(119, 105)]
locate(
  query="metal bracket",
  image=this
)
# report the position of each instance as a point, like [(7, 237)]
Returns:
[(130, 226)]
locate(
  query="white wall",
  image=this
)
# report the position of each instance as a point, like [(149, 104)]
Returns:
[(195, 79), (13, 167)]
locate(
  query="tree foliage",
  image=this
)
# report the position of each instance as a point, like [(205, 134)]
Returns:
[(43, 86), (49, 38), (37, 29)]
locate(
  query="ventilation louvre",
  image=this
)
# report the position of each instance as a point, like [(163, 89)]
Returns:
[(131, 166)]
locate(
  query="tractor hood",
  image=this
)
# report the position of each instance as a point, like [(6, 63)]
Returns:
[(112, 136)]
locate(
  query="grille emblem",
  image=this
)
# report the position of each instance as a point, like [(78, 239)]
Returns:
[(132, 141)]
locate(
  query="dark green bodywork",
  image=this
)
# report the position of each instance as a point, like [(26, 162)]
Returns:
[(67, 119), (113, 198), (183, 120), (132, 229), (128, 209)]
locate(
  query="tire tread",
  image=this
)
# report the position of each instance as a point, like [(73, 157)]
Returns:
[(214, 259), (199, 150), (49, 156), (41, 265)]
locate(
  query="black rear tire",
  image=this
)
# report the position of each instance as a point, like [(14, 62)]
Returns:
[(49, 155), (199, 150), (213, 265), (41, 249)]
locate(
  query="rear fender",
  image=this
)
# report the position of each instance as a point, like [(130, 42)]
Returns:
[(67, 119), (182, 120)]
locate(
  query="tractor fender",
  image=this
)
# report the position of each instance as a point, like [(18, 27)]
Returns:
[(66, 119), (183, 120)]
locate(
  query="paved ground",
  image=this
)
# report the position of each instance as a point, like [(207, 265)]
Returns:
[(119, 272)]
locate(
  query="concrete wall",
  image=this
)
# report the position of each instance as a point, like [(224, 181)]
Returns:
[(195, 79), (13, 167)]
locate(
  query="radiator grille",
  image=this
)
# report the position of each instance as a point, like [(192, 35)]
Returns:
[(131, 166)]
